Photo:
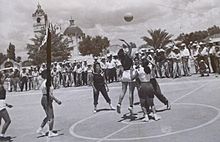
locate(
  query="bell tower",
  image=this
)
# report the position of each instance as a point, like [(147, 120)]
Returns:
[(40, 20)]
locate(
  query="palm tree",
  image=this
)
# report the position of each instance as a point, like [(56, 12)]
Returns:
[(158, 38)]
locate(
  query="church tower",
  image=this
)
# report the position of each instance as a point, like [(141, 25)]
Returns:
[(40, 21)]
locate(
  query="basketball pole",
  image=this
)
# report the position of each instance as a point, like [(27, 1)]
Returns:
[(48, 51)]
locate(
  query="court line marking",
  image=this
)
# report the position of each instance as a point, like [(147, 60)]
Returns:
[(105, 138), (179, 131), (72, 128)]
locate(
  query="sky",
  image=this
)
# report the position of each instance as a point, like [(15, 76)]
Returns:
[(105, 18)]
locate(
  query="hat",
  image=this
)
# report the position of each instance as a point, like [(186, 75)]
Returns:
[(175, 48), (201, 43), (202, 61), (161, 50), (95, 58), (183, 44), (194, 44)]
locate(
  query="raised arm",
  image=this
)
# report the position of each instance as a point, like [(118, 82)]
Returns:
[(128, 46)]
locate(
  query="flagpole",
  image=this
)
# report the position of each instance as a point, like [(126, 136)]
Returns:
[(48, 50)]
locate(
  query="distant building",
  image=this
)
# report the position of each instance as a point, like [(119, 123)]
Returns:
[(40, 20), (74, 34), (213, 39), (10, 63)]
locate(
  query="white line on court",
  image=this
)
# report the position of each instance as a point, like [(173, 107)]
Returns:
[(181, 131), (176, 132), (105, 138)]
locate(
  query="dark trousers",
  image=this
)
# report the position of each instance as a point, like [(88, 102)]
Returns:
[(115, 74), (74, 78), (158, 92), (213, 63), (101, 89), (111, 75), (24, 82), (84, 78)]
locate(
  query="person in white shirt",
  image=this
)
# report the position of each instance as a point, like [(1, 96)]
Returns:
[(84, 73), (111, 68), (212, 56), (35, 79), (185, 54), (24, 79), (176, 62), (195, 54), (47, 104), (79, 74), (204, 54), (146, 91)]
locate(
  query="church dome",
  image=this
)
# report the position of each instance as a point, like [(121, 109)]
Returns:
[(73, 30)]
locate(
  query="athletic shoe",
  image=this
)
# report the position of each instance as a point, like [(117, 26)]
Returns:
[(157, 117), (151, 114), (146, 118), (111, 107), (130, 110), (52, 134), (95, 109), (168, 105), (118, 108), (40, 131)]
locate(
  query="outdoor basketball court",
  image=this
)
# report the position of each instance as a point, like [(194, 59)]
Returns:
[(194, 116)]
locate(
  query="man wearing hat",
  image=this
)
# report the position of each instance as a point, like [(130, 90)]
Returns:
[(111, 68), (161, 59), (212, 55), (185, 59), (205, 54), (84, 72)]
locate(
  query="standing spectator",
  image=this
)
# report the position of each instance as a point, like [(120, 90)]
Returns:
[(218, 59), (74, 72), (35, 79), (89, 74), (176, 62), (16, 76), (161, 59), (79, 74), (212, 55), (185, 54), (24, 80), (111, 68), (30, 78), (205, 54), (84, 73)]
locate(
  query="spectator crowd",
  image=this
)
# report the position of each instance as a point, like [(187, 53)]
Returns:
[(173, 61)]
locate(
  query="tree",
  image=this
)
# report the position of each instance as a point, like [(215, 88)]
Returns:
[(11, 51), (3, 57), (59, 51), (93, 45), (213, 30), (158, 38), (198, 35)]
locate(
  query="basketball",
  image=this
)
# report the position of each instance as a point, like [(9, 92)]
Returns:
[(128, 17)]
